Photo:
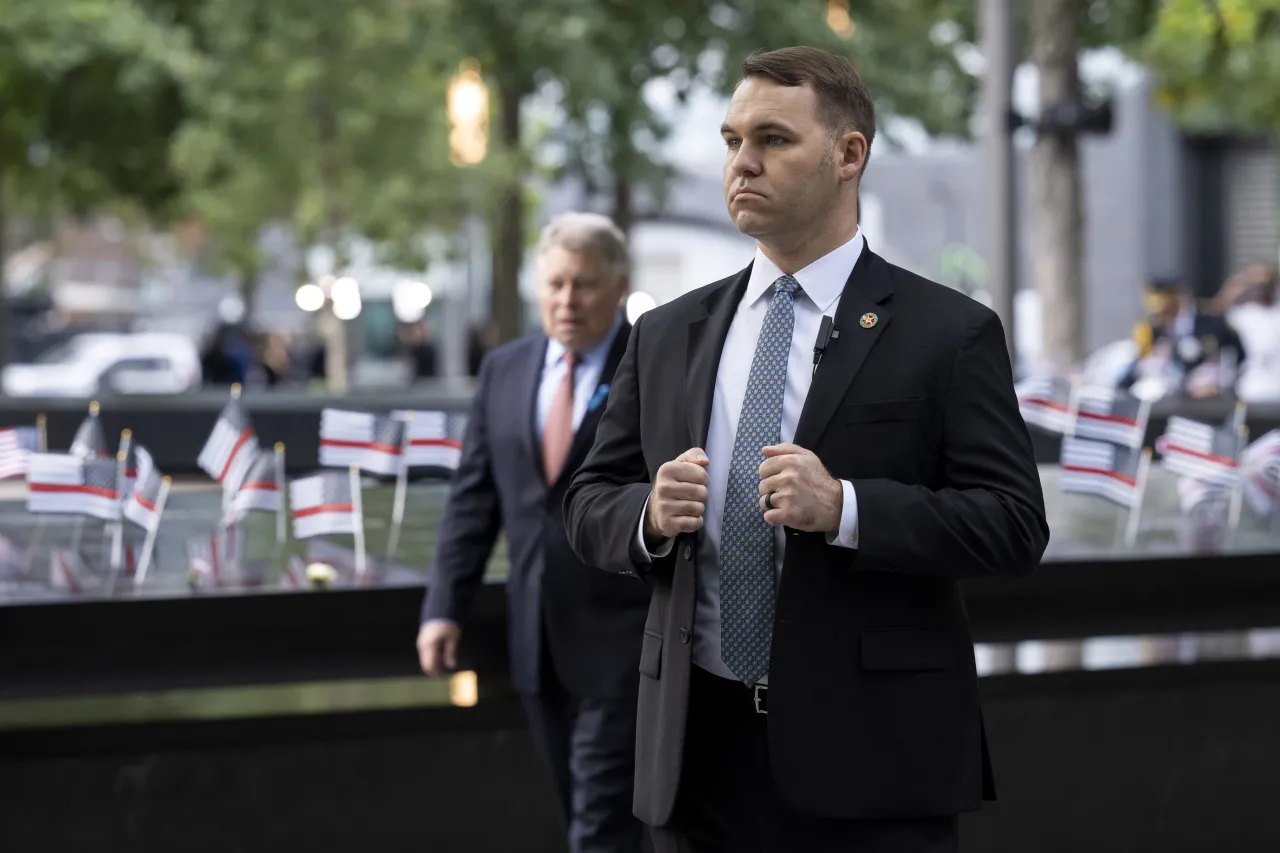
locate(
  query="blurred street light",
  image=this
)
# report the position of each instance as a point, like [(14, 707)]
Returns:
[(468, 108), (310, 297), (409, 300), (347, 308), (638, 303), (468, 116), (345, 289), (346, 298), (342, 295)]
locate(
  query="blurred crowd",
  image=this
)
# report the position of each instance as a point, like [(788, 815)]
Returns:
[(252, 357), (1207, 348)]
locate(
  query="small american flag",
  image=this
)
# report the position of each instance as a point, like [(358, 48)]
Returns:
[(89, 443), (16, 446), (374, 443), (140, 506), (1260, 467), (434, 439), (1045, 402), (1106, 414), (259, 491), (64, 483), (130, 470), (230, 448), (1197, 494), (1200, 451), (322, 504), (1102, 469)]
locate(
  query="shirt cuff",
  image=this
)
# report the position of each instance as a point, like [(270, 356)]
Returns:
[(641, 553), (847, 536)]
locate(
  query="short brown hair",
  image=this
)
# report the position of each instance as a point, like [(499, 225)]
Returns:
[(844, 103)]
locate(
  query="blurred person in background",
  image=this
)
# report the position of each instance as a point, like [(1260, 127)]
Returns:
[(480, 342), (274, 359), (418, 348), (803, 518), (574, 631), (1192, 350), (1249, 302), (223, 361)]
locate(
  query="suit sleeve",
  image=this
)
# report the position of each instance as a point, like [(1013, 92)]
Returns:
[(988, 518), (606, 497), (471, 522)]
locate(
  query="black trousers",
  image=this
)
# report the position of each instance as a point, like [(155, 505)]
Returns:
[(728, 802), (590, 746)]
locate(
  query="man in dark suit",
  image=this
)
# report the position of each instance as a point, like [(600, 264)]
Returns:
[(802, 504), (574, 631)]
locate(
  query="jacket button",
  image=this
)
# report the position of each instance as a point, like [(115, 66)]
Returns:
[(684, 636), (688, 552)]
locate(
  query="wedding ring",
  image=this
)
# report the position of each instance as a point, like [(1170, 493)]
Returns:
[(768, 500)]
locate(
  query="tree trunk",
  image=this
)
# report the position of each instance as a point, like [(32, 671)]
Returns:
[(6, 326), (508, 249), (250, 274), (623, 212), (1055, 188), (623, 157)]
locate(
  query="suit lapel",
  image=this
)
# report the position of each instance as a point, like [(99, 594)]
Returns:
[(706, 337), (866, 291), (528, 379), (585, 434)]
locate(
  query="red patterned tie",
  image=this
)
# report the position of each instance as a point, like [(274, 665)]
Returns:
[(557, 432)]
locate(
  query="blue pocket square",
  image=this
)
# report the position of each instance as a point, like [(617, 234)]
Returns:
[(602, 394)]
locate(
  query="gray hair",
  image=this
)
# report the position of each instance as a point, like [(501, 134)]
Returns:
[(588, 232)]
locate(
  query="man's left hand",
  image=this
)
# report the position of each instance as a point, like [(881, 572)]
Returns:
[(802, 494)]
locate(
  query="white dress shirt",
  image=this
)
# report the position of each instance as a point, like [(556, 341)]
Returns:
[(822, 282), (585, 382)]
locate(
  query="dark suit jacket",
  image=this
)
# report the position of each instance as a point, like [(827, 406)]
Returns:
[(593, 621), (873, 698)]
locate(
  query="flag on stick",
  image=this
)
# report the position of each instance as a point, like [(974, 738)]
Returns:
[(1200, 451), (16, 446), (1260, 468), (1101, 468), (1045, 402), (259, 491), (433, 439), (63, 483), (231, 446), (1106, 414), (89, 442), (142, 506), (156, 510), (322, 504), (375, 443)]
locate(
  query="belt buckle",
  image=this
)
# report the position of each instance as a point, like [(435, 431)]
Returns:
[(760, 698)]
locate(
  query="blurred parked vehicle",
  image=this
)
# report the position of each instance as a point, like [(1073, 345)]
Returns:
[(108, 363)]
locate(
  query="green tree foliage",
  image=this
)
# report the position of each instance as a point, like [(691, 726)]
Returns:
[(327, 118), (908, 59), (1218, 63), (90, 93)]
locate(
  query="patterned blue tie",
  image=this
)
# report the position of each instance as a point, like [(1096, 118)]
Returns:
[(746, 541)]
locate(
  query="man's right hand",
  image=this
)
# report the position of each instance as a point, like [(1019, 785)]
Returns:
[(438, 646), (678, 498)]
